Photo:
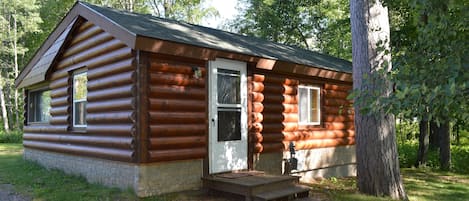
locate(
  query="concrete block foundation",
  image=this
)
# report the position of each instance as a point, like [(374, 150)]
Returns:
[(312, 163), (325, 163), (145, 179)]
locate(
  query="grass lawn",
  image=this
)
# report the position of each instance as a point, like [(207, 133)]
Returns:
[(420, 184), (42, 184)]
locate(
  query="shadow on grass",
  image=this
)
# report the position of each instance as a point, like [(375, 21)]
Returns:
[(426, 184), (420, 184)]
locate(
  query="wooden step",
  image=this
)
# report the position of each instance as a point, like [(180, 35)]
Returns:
[(250, 185), (289, 192), (305, 199), (274, 185)]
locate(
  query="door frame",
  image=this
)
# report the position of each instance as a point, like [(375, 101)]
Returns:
[(213, 105)]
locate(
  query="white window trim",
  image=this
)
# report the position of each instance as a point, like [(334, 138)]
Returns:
[(77, 73), (309, 104)]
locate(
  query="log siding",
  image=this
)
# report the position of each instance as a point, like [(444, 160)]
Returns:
[(145, 107), (274, 113), (177, 109), (111, 116)]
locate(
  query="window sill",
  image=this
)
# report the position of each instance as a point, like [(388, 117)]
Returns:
[(79, 130), (38, 123), (310, 127)]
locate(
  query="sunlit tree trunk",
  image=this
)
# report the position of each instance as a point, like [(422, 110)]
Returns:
[(6, 126), (15, 52), (376, 150)]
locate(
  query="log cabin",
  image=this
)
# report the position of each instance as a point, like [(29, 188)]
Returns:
[(136, 101)]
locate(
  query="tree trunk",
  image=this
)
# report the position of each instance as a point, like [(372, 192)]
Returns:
[(4, 110), (15, 50), (376, 150), (445, 145), (423, 144), (434, 139)]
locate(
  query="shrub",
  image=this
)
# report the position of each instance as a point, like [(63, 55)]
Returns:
[(459, 156), (15, 136)]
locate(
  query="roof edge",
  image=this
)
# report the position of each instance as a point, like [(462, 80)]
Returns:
[(58, 30), (79, 9)]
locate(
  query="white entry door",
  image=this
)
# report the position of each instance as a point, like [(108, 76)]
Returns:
[(228, 145)]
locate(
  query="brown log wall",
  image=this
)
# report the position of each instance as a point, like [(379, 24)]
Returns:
[(177, 109), (274, 114), (111, 118)]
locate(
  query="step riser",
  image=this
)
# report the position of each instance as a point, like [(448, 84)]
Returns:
[(287, 193), (261, 188), (273, 186)]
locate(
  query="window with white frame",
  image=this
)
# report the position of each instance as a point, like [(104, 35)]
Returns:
[(309, 108), (80, 92), (39, 106)]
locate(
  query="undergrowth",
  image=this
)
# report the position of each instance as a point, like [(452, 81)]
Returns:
[(15, 136)]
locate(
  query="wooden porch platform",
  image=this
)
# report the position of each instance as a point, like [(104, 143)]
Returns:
[(256, 186)]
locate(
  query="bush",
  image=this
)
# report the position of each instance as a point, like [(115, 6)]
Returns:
[(459, 156), (407, 130), (11, 137)]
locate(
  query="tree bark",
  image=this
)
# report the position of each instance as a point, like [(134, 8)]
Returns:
[(6, 126), (445, 146), (15, 50), (376, 150), (423, 143), (434, 139)]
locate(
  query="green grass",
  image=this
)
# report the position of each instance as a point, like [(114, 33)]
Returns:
[(420, 184), (42, 184), (424, 184)]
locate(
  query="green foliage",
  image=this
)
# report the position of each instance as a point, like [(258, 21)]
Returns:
[(51, 12), (191, 11), (333, 34), (430, 59), (322, 25), (287, 22), (459, 156), (15, 136), (407, 130)]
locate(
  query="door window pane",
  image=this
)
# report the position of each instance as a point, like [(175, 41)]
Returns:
[(229, 127), (228, 84)]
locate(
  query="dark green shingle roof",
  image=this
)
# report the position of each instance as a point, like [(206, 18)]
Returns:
[(180, 32)]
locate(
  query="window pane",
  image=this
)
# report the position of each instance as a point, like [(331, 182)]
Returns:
[(79, 84), (228, 84), (314, 105), (229, 127), (80, 113), (303, 104), (79, 99), (309, 105), (39, 106), (44, 108)]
